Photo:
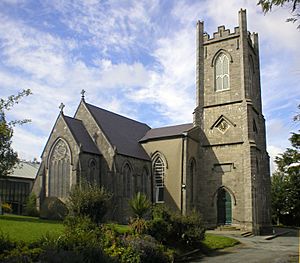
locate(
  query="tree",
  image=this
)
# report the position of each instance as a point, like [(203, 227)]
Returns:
[(293, 5), (286, 184), (8, 156)]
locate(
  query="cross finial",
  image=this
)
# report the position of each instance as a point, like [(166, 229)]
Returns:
[(61, 107), (82, 94)]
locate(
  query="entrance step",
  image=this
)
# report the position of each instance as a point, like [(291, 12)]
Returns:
[(247, 234), (228, 228)]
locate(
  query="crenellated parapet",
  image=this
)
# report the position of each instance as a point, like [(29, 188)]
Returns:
[(221, 34)]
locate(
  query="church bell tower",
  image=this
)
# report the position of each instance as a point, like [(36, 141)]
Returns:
[(234, 176)]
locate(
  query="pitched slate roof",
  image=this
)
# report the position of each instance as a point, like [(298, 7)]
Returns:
[(169, 131), (26, 170), (122, 132), (81, 135)]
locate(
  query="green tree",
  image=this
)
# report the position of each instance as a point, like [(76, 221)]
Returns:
[(8, 156), (286, 184), (293, 5)]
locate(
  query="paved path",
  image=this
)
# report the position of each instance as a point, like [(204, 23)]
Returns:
[(283, 249)]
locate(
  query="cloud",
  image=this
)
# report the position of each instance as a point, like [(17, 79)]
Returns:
[(133, 57)]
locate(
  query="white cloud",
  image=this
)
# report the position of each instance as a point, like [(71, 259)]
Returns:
[(135, 53)]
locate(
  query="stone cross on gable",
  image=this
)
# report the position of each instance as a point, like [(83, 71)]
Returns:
[(82, 94), (61, 107)]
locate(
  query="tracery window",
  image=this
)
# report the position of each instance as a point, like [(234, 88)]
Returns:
[(59, 170), (222, 72), (159, 174)]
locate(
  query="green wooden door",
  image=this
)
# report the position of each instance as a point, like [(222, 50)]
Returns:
[(224, 207)]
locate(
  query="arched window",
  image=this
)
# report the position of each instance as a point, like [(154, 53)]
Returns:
[(91, 175), (159, 174), (59, 170), (192, 177), (145, 183), (127, 173), (222, 72)]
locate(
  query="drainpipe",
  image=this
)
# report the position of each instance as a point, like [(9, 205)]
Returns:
[(183, 174)]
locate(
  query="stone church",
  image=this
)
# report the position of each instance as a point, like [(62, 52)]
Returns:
[(218, 164)]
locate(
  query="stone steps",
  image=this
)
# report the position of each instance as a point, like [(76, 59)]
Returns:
[(227, 228)]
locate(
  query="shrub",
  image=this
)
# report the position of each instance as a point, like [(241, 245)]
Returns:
[(5, 243), (189, 229), (160, 229), (147, 249), (81, 242), (114, 248), (30, 206), (53, 208), (6, 208), (89, 200), (139, 226), (139, 205), (170, 228)]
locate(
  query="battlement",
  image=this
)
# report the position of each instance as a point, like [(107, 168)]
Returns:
[(222, 33)]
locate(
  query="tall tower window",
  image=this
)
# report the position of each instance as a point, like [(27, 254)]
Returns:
[(222, 72), (159, 174)]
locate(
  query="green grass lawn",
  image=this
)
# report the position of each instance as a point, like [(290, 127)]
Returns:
[(214, 242), (28, 228)]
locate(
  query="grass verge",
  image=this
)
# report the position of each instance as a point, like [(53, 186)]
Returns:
[(214, 242), (27, 228)]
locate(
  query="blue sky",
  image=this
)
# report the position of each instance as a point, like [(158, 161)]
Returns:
[(136, 58)]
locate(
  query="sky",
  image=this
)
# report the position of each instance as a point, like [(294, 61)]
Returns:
[(136, 58)]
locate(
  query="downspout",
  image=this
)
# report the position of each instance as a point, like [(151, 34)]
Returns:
[(183, 177)]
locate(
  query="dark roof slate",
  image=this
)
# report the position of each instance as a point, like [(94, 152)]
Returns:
[(81, 135), (169, 131), (122, 132)]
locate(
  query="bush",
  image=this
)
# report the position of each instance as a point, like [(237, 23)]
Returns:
[(6, 208), (5, 243), (53, 208), (147, 249), (89, 200), (170, 228), (140, 205), (139, 226), (81, 242), (30, 206), (189, 229)]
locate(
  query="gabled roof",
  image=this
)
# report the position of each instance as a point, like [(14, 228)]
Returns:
[(26, 170), (164, 132), (122, 132), (81, 135)]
